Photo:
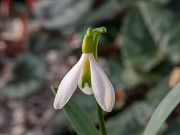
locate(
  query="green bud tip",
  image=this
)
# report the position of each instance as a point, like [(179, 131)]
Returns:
[(87, 45)]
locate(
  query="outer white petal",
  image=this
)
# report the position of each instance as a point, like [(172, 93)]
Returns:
[(68, 85), (102, 87)]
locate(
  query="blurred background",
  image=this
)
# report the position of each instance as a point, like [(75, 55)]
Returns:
[(40, 40)]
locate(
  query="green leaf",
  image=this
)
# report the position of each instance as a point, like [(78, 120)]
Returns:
[(162, 2), (164, 29), (122, 77), (62, 15), (139, 49), (42, 42), (173, 47), (131, 121), (157, 20), (157, 93), (78, 118), (149, 34), (163, 111), (28, 73), (100, 13), (86, 102)]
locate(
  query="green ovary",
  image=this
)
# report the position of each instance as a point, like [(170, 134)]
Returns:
[(87, 45), (86, 73)]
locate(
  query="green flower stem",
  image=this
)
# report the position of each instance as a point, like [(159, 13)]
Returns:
[(98, 108), (101, 120)]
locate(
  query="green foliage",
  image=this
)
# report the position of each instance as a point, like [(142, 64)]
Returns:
[(163, 111), (100, 13), (131, 121), (78, 118), (62, 15), (139, 48), (163, 28), (122, 77), (157, 93), (43, 41), (28, 77), (150, 38)]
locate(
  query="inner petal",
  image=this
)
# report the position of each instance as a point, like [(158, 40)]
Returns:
[(87, 90), (86, 72)]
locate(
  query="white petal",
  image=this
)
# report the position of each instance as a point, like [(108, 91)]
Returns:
[(87, 90), (102, 87), (68, 85)]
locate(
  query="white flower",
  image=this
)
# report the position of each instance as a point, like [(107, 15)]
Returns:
[(90, 78)]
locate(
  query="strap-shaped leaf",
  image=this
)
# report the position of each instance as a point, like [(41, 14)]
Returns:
[(78, 118), (163, 111)]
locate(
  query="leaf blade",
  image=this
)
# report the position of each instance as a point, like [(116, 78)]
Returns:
[(78, 118), (163, 111)]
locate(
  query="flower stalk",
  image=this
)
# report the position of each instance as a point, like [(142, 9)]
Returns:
[(101, 120), (98, 108)]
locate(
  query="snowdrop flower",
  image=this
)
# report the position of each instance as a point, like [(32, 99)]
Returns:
[(90, 78)]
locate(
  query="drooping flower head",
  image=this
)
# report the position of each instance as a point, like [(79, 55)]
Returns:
[(89, 76)]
